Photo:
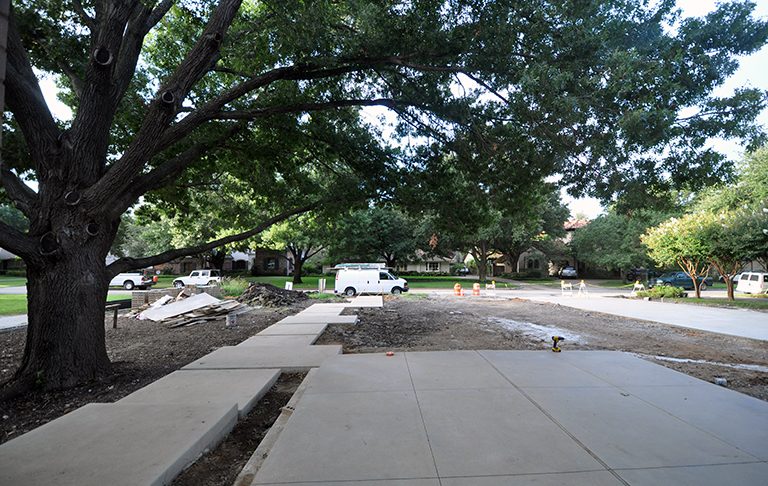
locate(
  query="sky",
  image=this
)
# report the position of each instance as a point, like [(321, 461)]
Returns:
[(751, 73)]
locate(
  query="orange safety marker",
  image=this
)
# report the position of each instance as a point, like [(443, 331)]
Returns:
[(475, 289), (390, 353), (457, 290)]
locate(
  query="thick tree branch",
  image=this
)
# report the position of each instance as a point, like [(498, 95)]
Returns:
[(170, 169), (77, 83), (124, 264), (17, 242), (86, 19), (158, 13), (25, 99), (21, 194), (198, 61)]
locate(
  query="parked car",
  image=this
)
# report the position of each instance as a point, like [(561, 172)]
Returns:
[(734, 279), (568, 272), (368, 278), (753, 283), (681, 279), (131, 280), (199, 277)]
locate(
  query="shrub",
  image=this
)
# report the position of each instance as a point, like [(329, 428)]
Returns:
[(233, 286), (661, 291)]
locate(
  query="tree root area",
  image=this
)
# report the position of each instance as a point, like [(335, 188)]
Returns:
[(141, 352)]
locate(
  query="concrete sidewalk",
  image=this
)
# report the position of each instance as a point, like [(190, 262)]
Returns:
[(498, 418), (11, 322)]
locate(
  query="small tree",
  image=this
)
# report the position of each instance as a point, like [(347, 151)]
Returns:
[(683, 242), (730, 243), (303, 237)]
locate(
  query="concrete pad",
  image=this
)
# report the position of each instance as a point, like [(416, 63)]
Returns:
[(755, 473), (286, 359), (351, 436), (361, 373), (313, 319), (739, 420), (624, 369), (393, 482), (596, 478), (240, 388), (115, 444), (627, 432), (541, 368), (298, 340), (367, 301), (293, 329), (453, 369), (496, 432)]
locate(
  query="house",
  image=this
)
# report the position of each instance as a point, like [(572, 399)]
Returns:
[(421, 262), (9, 261)]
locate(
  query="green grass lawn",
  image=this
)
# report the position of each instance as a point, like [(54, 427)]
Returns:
[(740, 303), (11, 305), (12, 281)]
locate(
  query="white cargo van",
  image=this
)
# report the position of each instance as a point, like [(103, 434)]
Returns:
[(753, 283), (367, 278)]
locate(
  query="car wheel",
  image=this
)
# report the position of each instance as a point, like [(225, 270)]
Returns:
[(703, 286), (211, 282), (350, 291), (667, 284), (396, 291), (128, 285), (178, 284)]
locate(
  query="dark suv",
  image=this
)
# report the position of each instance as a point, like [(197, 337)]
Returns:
[(681, 279)]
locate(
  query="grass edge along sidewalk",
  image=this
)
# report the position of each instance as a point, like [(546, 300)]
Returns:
[(16, 304)]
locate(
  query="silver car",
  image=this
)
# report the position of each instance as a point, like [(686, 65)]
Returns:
[(568, 272)]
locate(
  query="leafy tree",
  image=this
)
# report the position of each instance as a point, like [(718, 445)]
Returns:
[(303, 236), (683, 242), (735, 237), (522, 230), (593, 90), (385, 233), (612, 240)]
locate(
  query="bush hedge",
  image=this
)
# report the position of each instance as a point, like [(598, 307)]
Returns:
[(662, 291)]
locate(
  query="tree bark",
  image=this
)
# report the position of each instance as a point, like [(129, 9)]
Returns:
[(298, 263), (65, 335)]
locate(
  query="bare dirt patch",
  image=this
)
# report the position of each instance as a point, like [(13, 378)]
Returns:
[(418, 323)]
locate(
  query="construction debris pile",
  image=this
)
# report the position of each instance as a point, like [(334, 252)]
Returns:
[(188, 310), (258, 294)]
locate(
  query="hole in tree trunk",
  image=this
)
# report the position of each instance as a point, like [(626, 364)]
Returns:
[(102, 56), (72, 198), (168, 97), (48, 244), (92, 228), (217, 37)]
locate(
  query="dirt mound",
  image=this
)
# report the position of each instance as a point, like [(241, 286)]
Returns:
[(259, 294)]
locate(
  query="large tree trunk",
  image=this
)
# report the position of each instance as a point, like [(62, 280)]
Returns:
[(729, 287), (298, 263), (65, 335)]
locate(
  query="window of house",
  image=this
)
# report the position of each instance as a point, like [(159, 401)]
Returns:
[(270, 263), (433, 266)]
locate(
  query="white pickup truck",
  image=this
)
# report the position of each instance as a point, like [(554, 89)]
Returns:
[(199, 277), (131, 280)]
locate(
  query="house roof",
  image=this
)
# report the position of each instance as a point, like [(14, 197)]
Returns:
[(573, 224)]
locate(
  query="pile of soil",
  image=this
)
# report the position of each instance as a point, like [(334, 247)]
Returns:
[(266, 295)]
